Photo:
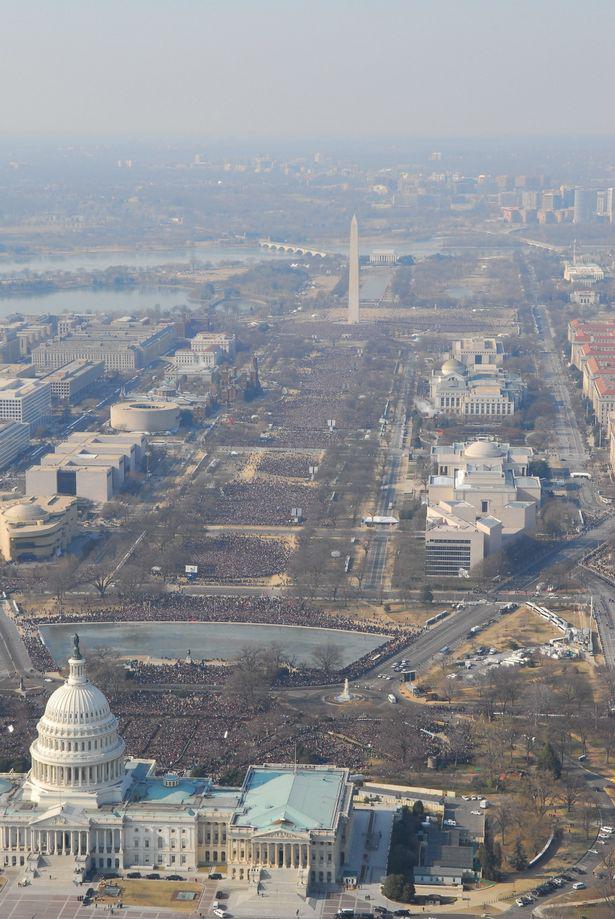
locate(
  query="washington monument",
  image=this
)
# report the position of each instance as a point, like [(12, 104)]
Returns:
[(353, 272)]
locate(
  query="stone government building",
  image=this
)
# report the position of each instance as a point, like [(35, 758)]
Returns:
[(85, 805)]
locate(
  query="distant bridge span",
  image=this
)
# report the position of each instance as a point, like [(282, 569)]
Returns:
[(292, 248)]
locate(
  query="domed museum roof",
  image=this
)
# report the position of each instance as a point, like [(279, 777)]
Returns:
[(484, 449), (452, 365), (25, 513)]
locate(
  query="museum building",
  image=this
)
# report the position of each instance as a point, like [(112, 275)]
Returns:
[(86, 806)]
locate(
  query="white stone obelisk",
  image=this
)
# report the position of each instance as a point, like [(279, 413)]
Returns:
[(353, 272)]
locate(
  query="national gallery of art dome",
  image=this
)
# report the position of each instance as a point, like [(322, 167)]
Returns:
[(85, 806)]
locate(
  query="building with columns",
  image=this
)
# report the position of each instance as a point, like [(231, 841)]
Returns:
[(85, 806), (486, 391)]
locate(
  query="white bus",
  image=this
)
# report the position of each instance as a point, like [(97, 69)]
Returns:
[(580, 475), (379, 520)]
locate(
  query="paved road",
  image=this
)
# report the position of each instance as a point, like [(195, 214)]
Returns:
[(569, 552), (375, 562), (604, 614), (448, 633), (590, 862), (14, 659), (569, 441)]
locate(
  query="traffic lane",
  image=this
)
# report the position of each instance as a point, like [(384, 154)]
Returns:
[(573, 550), (604, 614), (448, 633)]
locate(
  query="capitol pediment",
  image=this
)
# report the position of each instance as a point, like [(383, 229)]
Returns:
[(62, 816), (274, 836)]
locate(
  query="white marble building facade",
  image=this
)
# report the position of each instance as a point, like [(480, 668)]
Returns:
[(84, 806)]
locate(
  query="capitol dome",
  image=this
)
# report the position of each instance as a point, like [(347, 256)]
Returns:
[(78, 750), (483, 449), (452, 365)]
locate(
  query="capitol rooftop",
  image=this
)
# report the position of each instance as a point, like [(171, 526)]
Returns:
[(85, 807)]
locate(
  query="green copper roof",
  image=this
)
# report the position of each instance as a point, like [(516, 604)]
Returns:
[(291, 800)]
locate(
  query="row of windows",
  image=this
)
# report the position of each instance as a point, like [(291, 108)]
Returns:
[(75, 746)]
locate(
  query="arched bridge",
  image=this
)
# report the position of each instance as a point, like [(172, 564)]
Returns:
[(292, 248)]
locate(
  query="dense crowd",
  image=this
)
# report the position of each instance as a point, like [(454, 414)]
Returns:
[(289, 465), (264, 502), (300, 419), (184, 673), (234, 557), (601, 561), (39, 655), (180, 607)]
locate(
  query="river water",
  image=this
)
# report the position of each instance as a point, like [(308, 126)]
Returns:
[(130, 300), (81, 301), (210, 640)]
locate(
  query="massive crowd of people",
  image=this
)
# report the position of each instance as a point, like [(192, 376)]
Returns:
[(179, 607), (233, 557), (262, 502), (601, 561), (289, 465)]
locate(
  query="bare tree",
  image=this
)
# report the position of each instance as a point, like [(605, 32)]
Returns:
[(503, 817), (61, 578), (571, 788), (539, 791), (106, 669), (327, 658), (101, 581)]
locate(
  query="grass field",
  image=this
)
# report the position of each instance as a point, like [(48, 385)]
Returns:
[(162, 894)]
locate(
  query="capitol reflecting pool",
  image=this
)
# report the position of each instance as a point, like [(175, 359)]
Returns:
[(210, 640)]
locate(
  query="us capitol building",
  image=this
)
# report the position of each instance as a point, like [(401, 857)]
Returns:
[(85, 806)]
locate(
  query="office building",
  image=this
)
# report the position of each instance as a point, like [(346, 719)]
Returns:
[(18, 371), (204, 341), (84, 805), (73, 381), (122, 348), (87, 465), (456, 540), (577, 273), (25, 400), (30, 334), (592, 345), (196, 363), (584, 205), (478, 353), (353, 273), (480, 498), (37, 528), (14, 440)]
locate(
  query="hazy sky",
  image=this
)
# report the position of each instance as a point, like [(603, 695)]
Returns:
[(316, 68)]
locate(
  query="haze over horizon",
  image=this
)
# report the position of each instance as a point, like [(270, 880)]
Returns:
[(402, 67)]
